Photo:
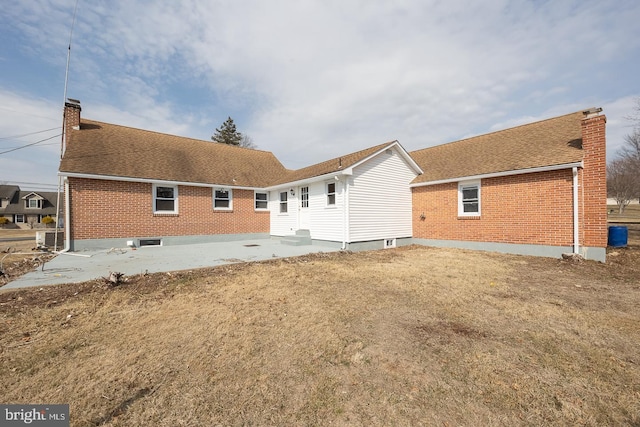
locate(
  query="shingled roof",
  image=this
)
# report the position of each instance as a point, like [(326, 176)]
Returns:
[(331, 166), (118, 151), (549, 142)]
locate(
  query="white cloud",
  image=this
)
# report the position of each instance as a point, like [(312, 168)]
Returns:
[(316, 79)]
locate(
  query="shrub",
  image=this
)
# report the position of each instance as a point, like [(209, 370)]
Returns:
[(48, 220), (4, 220)]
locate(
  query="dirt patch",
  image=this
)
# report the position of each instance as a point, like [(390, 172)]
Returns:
[(408, 336), (19, 256)]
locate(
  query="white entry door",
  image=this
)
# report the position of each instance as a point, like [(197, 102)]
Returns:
[(304, 220)]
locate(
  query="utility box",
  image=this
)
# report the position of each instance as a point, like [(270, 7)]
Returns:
[(48, 239)]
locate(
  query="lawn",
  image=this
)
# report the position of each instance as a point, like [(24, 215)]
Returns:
[(408, 336)]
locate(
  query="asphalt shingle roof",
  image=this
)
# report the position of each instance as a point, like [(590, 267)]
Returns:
[(105, 149), (334, 165), (545, 143), (8, 191)]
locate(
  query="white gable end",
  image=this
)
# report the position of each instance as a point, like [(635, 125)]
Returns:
[(380, 198)]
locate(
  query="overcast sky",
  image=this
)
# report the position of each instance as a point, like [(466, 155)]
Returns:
[(311, 80)]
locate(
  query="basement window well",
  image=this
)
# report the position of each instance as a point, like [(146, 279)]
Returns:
[(150, 242)]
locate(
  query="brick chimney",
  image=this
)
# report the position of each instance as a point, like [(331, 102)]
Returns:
[(594, 179), (71, 115)]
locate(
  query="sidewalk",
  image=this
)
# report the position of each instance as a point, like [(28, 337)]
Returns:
[(83, 266)]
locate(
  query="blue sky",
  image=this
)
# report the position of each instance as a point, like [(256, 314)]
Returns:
[(311, 80)]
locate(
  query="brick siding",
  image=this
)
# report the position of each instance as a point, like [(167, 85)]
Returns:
[(594, 182), (534, 208), (116, 209), (524, 209)]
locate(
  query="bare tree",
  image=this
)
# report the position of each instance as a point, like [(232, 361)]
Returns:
[(635, 116), (622, 182), (631, 148), (247, 142)]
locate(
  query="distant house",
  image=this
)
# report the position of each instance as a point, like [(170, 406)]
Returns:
[(534, 189), (25, 209)]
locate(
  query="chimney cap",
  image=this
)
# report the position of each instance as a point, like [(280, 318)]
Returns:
[(73, 101), (592, 112)]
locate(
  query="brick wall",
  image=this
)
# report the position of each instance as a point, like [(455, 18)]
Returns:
[(71, 116), (115, 209), (593, 191), (523, 209)]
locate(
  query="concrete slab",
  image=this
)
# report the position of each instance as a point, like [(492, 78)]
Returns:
[(83, 266)]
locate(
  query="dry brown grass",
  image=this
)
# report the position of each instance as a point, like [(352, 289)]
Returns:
[(410, 336)]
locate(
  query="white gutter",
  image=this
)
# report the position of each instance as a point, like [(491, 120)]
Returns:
[(499, 174), (576, 225), (326, 176)]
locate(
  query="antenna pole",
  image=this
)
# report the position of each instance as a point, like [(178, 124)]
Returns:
[(64, 128)]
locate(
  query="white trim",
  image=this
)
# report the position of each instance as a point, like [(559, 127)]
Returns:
[(407, 157), (230, 199), (461, 186), (155, 181), (327, 193), (283, 202), (255, 200), (499, 174), (311, 180)]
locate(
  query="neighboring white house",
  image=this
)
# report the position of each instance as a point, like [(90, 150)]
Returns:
[(362, 197)]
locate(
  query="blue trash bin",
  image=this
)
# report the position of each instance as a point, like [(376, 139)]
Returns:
[(618, 236)]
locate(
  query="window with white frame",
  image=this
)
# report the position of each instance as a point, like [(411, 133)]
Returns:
[(261, 201), (304, 197), (469, 198), (19, 218), (283, 202), (331, 193), (165, 199), (222, 199), (33, 203)]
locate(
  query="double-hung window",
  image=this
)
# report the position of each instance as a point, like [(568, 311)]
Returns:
[(331, 193), (33, 204), (469, 198), (261, 201), (283, 202), (165, 199), (222, 199)]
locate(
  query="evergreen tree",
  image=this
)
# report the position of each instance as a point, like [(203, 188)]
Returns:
[(228, 134)]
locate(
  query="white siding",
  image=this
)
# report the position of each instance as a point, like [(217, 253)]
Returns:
[(326, 221), (380, 199), (283, 224)]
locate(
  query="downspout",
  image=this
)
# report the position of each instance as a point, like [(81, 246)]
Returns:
[(576, 225), (345, 216), (67, 216)]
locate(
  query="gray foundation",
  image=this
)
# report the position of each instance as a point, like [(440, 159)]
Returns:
[(595, 254), (97, 244)]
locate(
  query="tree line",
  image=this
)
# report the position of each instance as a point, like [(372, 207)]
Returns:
[(623, 172)]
